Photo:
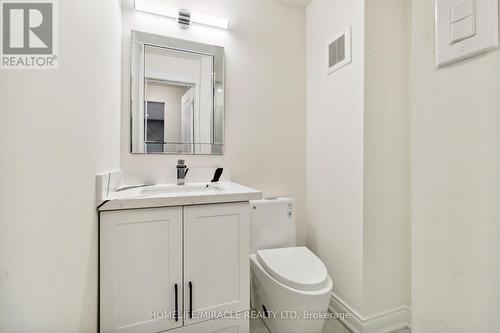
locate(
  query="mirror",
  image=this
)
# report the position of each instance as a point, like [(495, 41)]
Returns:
[(177, 96)]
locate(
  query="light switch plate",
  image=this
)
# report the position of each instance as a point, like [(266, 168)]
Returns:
[(465, 28)]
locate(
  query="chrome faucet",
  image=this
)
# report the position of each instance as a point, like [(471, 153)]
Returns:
[(182, 171)]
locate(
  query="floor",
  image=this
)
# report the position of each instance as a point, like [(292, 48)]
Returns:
[(332, 326)]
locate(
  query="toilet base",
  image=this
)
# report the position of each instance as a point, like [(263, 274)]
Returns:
[(284, 309)]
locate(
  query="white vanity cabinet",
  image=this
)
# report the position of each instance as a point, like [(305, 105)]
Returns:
[(185, 258)]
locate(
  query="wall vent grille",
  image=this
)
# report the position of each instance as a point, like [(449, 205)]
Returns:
[(339, 51), (336, 51)]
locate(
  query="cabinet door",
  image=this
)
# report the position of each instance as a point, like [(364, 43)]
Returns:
[(216, 259), (140, 267), (223, 325)]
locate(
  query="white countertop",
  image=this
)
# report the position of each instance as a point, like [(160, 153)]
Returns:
[(164, 195)]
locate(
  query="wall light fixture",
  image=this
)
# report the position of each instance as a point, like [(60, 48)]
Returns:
[(184, 17)]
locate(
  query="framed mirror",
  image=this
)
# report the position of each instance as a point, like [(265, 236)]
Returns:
[(177, 96)]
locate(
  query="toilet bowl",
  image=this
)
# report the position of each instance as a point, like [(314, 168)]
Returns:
[(290, 285)]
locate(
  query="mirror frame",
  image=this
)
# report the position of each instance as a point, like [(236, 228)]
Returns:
[(137, 67)]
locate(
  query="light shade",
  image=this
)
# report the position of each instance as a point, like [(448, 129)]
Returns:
[(156, 7)]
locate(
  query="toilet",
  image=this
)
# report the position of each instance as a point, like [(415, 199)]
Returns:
[(290, 286)]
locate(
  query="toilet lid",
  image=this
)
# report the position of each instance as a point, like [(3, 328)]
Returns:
[(296, 267)]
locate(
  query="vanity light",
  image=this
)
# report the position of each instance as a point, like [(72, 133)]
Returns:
[(184, 17)]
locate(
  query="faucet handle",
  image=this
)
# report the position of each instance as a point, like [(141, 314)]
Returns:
[(217, 174)]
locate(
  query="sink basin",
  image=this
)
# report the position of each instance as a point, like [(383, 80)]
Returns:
[(173, 189), (131, 196)]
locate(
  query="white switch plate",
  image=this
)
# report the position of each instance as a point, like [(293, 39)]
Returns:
[(459, 35)]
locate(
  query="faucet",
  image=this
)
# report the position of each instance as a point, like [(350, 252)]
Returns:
[(182, 171)]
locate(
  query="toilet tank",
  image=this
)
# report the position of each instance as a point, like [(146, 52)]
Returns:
[(272, 224)]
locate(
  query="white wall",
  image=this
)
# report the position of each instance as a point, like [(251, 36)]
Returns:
[(358, 171), (265, 92), (455, 187), (334, 172), (58, 129), (386, 226)]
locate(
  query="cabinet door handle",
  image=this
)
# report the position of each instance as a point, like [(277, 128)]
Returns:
[(190, 300), (176, 311)]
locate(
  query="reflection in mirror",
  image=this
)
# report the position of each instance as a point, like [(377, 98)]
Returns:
[(177, 96)]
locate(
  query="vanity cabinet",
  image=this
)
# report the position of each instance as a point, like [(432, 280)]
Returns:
[(184, 260)]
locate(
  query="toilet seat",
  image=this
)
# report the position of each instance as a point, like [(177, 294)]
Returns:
[(295, 267)]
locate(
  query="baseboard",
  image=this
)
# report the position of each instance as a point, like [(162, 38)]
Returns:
[(383, 322)]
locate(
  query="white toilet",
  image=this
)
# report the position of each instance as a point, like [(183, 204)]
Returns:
[(290, 285)]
